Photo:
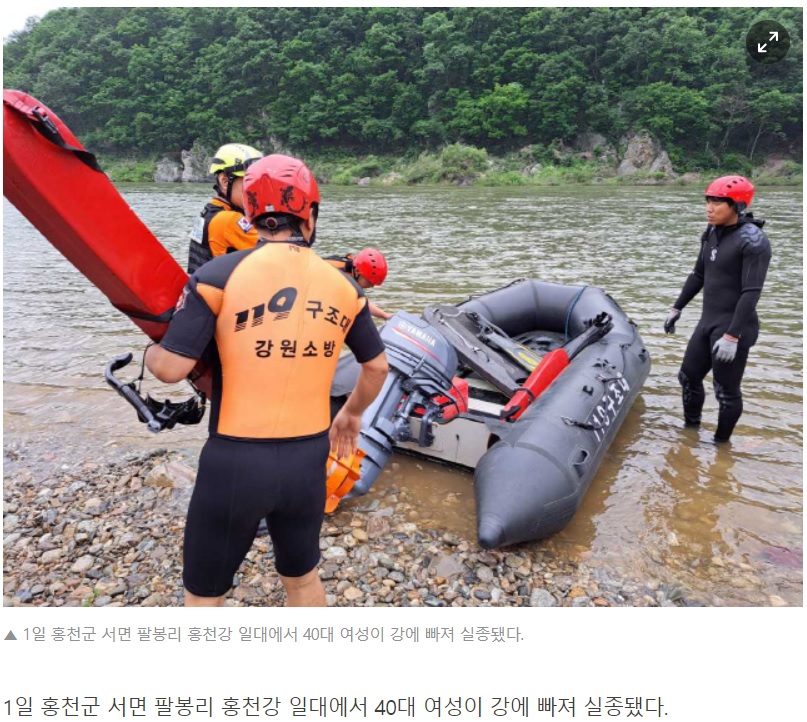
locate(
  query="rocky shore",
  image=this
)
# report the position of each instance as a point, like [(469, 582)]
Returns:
[(111, 535), (637, 159)]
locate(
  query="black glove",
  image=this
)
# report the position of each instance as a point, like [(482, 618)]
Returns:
[(725, 350), (672, 317)]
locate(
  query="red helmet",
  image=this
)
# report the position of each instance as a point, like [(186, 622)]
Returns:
[(739, 189), (371, 264), (279, 184)]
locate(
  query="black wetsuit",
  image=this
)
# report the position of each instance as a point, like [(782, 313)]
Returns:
[(343, 263), (731, 269)]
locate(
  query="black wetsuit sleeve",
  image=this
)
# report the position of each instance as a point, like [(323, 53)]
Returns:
[(193, 325), (363, 338), (693, 284), (342, 263), (756, 259)]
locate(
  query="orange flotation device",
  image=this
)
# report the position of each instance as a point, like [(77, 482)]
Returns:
[(342, 474)]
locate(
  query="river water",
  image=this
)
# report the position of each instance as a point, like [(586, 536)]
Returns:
[(726, 522)]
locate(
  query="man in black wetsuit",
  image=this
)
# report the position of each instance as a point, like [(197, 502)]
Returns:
[(731, 268)]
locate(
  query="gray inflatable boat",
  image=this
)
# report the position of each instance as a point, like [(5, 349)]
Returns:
[(528, 385)]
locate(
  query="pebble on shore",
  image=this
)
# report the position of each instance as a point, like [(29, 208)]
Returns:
[(111, 535)]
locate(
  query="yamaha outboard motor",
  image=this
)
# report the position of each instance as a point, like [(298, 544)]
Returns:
[(422, 367)]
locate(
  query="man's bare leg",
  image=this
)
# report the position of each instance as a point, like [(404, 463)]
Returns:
[(192, 600)]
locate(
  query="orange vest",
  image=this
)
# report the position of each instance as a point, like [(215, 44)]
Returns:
[(226, 231), (282, 319)]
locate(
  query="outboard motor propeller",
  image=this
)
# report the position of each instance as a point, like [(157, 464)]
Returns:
[(422, 367)]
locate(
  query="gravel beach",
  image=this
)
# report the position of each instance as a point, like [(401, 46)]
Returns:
[(110, 534)]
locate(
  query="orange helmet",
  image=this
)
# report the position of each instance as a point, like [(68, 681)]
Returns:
[(738, 189), (371, 264), (279, 184)]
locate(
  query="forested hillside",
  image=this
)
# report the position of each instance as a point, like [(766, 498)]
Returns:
[(401, 80)]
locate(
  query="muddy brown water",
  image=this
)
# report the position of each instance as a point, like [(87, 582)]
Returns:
[(665, 503)]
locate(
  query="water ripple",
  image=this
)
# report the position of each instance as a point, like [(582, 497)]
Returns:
[(665, 501)]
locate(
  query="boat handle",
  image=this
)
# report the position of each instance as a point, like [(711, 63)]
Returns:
[(582, 458)]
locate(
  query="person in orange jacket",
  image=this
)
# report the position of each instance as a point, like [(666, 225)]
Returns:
[(222, 226), (277, 316)]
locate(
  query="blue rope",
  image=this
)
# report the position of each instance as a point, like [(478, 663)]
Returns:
[(569, 314)]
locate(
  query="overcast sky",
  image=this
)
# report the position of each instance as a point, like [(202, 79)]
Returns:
[(13, 16)]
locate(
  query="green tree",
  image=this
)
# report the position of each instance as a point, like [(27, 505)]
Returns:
[(672, 113), (769, 111), (158, 79), (498, 113)]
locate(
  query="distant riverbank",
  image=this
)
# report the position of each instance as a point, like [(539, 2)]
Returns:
[(640, 163)]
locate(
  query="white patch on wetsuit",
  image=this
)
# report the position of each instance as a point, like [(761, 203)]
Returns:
[(197, 232), (181, 300), (244, 224)]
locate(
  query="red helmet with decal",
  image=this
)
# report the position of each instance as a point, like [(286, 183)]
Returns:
[(371, 264), (279, 184), (739, 189)]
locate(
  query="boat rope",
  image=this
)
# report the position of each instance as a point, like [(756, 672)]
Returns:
[(608, 379), (443, 312), (569, 314), (581, 424)]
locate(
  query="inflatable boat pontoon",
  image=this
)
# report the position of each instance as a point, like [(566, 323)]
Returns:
[(527, 384)]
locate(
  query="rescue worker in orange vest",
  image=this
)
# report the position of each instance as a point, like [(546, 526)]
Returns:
[(277, 316), (222, 227), (369, 268)]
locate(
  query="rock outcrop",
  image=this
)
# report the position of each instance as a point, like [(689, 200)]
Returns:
[(645, 155), (196, 163), (168, 171), (192, 168), (593, 146)]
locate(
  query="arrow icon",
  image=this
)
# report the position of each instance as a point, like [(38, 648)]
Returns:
[(775, 36), (761, 48), (10, 636)]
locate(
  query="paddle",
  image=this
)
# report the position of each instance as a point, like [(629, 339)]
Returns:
[(552, 365), (494, 336)]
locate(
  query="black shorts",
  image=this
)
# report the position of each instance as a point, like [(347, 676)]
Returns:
[(240, 482)]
